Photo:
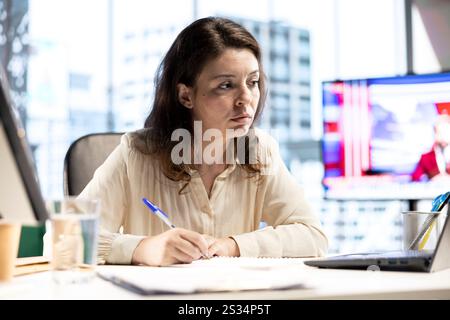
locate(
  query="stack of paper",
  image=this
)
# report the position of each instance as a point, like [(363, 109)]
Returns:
[(213, 275)]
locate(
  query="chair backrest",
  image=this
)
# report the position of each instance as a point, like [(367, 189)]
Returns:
[(84, 156)]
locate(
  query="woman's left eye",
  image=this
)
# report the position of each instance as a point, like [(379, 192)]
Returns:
[(226, 85), (254, 83)]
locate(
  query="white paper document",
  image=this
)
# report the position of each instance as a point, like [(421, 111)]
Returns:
[(212, 275)]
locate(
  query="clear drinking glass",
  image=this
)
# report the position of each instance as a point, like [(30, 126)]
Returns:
[(74, 238)]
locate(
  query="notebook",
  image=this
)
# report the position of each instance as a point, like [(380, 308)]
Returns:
[(408, 260), (218, 274), (29, 265)]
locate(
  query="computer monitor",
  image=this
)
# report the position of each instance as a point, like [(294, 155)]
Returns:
[(376, 131), (20, 195)]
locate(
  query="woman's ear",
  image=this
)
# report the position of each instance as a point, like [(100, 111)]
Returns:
[(184, 95)]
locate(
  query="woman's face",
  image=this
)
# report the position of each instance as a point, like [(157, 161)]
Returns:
[(226, 93), (442, 131)]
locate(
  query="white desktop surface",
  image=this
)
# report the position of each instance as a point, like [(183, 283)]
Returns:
[(323, 284)]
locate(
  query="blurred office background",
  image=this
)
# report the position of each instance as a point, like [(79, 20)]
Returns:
[(81, 66)]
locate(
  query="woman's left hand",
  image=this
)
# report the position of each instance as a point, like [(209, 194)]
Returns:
[(223, 247)]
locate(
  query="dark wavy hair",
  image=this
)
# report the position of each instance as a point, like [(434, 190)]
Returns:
[(200, 42)]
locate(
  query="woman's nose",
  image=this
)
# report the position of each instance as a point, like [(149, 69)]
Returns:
[(245, 96)]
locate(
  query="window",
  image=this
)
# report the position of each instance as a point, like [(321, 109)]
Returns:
[(280, 101), (280, 68), (72, 63), (280, 40), (79, 81)]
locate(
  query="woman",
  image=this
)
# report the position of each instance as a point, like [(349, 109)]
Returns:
[(210, 85), (435, 164)]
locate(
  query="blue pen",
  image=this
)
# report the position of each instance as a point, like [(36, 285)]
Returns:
[(440, 201), (163, 216), (158, 212)]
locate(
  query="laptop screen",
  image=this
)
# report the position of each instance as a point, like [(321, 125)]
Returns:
[(20, 196)]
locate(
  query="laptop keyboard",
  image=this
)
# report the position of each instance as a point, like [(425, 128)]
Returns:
[(389, 254)]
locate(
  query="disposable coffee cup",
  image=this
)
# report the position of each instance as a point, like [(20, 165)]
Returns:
[(9, 247)]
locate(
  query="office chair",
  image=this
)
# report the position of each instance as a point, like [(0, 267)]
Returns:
[(84, 156)]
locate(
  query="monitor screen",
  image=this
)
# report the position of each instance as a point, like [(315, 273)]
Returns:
[(385, 138), (20, 196)]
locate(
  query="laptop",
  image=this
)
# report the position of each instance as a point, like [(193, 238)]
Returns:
[(408, 260)]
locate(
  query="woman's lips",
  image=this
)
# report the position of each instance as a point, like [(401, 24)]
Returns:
[(242, 119)]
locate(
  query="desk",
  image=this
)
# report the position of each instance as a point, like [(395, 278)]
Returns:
[(324, 284)]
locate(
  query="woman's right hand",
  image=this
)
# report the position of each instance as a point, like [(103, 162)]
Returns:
[(173, 246)]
